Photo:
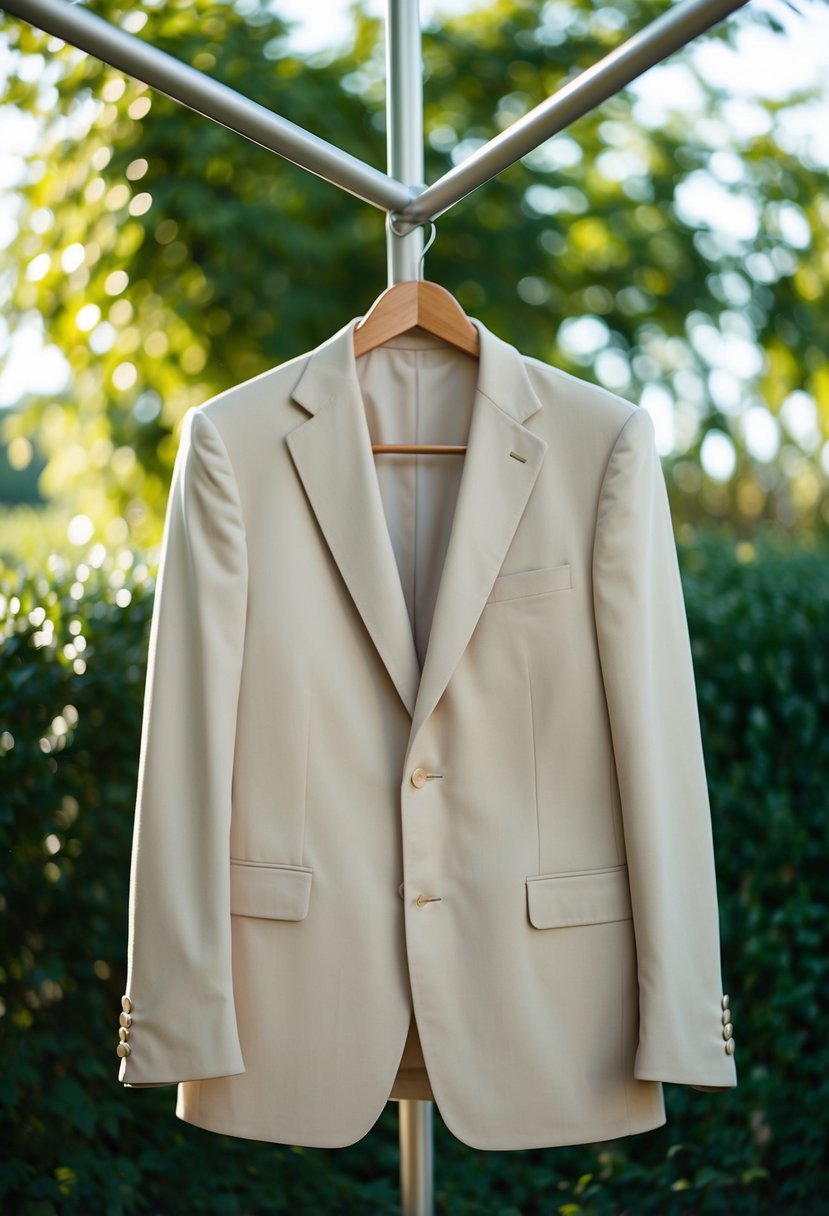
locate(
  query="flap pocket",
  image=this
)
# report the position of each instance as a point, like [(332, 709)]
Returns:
[(530, 582), (587, 897), (269, 890)]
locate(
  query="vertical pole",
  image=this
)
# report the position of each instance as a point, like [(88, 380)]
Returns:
[(416, 1166), (404, 141), (404, 126)]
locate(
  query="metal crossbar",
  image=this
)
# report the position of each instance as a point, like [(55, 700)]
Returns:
[(666, 34), (209, 97), (411, 202)]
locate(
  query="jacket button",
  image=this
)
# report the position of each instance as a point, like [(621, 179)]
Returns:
[(419, 778), (727, 1030), (729, 1047), (726, 1001), (123, 1050), (123, 1034), (126, 1004), (125, 1019)]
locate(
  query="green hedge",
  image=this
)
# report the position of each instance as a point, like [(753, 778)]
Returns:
[(74, 1141)]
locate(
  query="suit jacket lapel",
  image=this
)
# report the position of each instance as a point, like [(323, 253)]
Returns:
[(493, 493), (332, 454)]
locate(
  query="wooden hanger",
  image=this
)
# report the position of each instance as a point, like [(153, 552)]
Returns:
[(422, 305)]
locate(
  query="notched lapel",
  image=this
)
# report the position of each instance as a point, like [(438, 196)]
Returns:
[(493, 494), (332, 455)]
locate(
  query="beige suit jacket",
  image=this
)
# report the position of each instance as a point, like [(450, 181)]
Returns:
[(421, 752)]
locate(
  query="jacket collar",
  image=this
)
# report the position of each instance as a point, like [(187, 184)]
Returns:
[(332, 453), (502, 375)]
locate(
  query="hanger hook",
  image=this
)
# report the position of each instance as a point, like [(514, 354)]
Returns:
[(393, 221), (428, 245)]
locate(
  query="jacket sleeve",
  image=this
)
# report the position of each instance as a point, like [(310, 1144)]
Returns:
[(649, 685), (178, 1005)]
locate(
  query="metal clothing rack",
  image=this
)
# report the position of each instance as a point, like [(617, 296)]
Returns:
[(400, 192)]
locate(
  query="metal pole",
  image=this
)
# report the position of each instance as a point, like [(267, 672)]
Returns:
[(74, 24), (404, 128), (404, 142), (416, 1168), (661, 38)]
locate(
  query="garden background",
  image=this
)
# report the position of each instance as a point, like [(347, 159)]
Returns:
[(671, 246)]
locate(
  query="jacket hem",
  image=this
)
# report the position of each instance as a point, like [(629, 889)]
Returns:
[(196, 1119), (593, 1135)]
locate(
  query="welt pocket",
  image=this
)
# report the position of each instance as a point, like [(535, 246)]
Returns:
[(269, 890), (530, 582), (586, 897)]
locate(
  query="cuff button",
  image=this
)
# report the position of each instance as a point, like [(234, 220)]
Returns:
[(125, 1019), (729, 1047), (123, 1050), (727, 1030), (726, 1001), (126, 1004)]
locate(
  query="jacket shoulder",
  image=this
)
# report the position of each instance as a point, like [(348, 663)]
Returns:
[(239, 405), (578, 403)]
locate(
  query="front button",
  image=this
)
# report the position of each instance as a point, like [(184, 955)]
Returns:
[(419, 778)]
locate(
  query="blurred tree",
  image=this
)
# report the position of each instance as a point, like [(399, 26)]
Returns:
[(678, 256), (169, 257)]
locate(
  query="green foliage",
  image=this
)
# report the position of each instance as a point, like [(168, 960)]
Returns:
[(29, 534), (73, 654), (203, 258), (171, 258)]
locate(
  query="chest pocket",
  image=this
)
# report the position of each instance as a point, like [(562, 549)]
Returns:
[(530, 582)]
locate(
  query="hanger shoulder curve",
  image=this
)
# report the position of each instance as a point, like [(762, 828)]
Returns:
[(416, 304)]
